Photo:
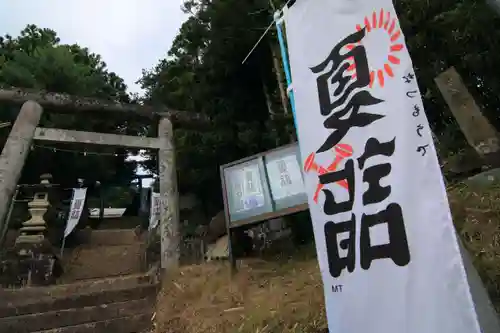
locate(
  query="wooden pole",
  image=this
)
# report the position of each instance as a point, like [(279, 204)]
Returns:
[(169, 223), (478, 131), (101, 201), (279, 78), (15, 152)]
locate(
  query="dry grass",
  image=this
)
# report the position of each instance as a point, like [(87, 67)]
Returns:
[(287, 295), (264, 297), (476, 213)]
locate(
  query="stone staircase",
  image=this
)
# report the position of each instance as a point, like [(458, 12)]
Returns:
[(102, 290), (108, 253)]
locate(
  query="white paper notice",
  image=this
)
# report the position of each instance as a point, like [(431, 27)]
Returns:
[(386, 243), (285, 177), (155, 210), (246, 188)]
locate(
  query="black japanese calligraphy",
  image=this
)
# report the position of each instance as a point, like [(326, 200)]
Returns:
[(412, 94), (344, 101), (397, 248), (409, 78), (416, 111), (420, 127), (372, 175), (336, 263), (342, 105), (392, 217), (74, 214), (375, 192), (422, 149), (374, 147), (78, 203), (332, 207)]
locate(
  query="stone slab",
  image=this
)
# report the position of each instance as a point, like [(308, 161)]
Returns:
[(133, 324), (45, 304), (76, 316), (485, 179), (24, 295)]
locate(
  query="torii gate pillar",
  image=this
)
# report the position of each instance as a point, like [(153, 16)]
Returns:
[(169, 225), (15, 152)]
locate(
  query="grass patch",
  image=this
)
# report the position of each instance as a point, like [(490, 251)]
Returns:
[(279, 295), (476, 213), (286, 294)]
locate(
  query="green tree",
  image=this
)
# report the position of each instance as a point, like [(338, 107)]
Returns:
[(36, 60), (457, 33), (203, 72)]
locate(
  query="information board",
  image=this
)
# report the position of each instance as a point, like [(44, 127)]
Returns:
[(263, 186)]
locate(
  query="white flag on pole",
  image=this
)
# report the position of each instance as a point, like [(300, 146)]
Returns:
[(76, 209), (155, 211), (387, 247)]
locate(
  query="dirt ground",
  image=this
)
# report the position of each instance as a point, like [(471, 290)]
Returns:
[(278, 295)]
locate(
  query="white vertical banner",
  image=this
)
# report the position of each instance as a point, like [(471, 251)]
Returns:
[(76, 209), (155, 211), (386, 244)]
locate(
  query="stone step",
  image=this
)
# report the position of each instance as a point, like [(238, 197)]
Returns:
[(132, 324), (124, 222), (93, 262), (89, 286), (114, 237), (45, 304), (76, 316)]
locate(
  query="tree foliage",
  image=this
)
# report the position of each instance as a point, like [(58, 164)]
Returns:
[(37, 60), (458, 33), (203, 72)]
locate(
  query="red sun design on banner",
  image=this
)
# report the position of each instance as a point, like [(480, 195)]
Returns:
[(342, 151), (381, 22)]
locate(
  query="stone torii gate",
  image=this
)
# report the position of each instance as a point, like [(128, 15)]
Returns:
[(25, 130)]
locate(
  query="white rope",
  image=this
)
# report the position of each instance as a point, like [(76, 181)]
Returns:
[(265, 32), (258, 42)]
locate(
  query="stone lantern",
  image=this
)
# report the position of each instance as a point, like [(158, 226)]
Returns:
[(37, 263), (33, 230)]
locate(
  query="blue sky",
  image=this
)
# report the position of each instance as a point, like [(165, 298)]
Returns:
[(130, 35)]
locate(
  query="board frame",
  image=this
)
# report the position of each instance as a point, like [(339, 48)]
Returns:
[(260, 218)]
